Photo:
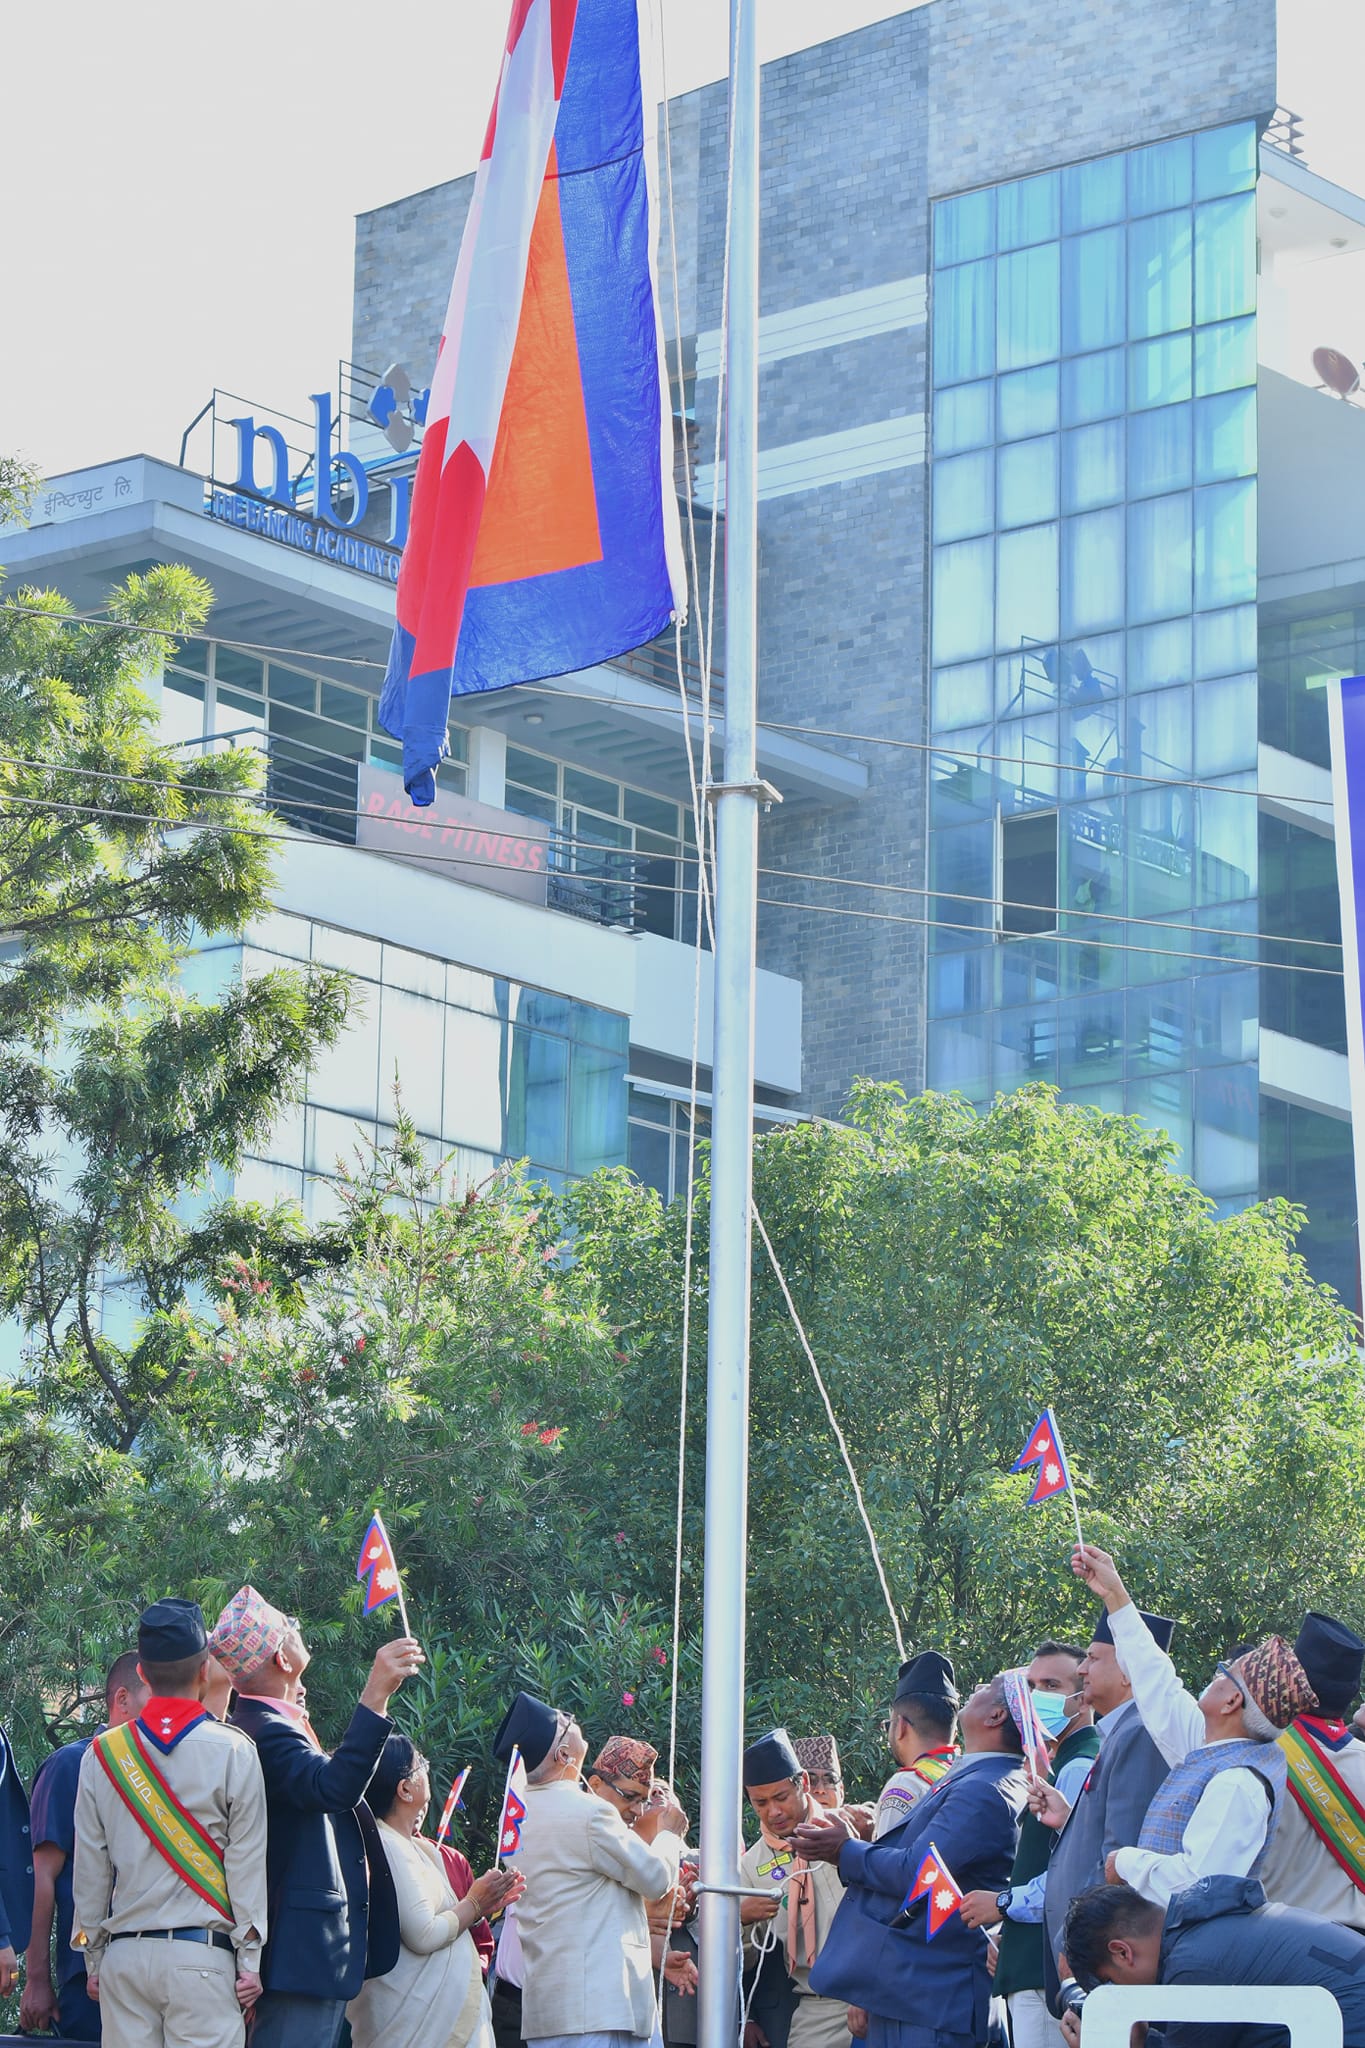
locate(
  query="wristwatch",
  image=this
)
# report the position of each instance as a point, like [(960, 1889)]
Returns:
[(1002, 1902)]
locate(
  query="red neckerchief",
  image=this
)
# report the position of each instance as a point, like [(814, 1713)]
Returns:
[(166, 1722)]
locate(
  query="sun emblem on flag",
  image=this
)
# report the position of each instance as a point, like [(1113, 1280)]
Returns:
[(943, 1900), (1052, 1473), (387, 1578)]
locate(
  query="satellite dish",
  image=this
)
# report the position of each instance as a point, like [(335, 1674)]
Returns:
[(1336, 371)]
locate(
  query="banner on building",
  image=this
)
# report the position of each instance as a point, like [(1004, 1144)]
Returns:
[(544, 533), (1346, 717)]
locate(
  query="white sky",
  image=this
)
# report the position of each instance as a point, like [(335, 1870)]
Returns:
[(183, 180)]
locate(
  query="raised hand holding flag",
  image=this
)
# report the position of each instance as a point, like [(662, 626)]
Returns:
[(935, 1883), (1044, 1449), (452, 1802), (379, 1568)]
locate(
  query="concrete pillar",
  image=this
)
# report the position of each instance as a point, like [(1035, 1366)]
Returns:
[(487, 781)]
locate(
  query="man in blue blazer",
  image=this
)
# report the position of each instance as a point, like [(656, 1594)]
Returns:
[(920, 1993), (333, 1912), (16, 1868)]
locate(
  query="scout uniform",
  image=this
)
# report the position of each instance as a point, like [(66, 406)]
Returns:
[(168, 1883), (929, 1677), (1316, 1860), (810, 1896)]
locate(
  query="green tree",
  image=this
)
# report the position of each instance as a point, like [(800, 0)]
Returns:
[(957, 1272), (120, 1096)]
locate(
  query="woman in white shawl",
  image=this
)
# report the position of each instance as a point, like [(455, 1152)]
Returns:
[(433, 1997)]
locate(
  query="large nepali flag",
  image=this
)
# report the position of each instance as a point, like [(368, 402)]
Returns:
[(1346, 719), (544, 532)]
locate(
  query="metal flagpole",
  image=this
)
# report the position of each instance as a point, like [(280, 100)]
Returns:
[(736, 797)]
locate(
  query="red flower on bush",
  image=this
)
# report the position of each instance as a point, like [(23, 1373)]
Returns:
[(620, 1535), (529, 1428), (360, 1343), (660, 1656), (627, 1699), (549, 1436)]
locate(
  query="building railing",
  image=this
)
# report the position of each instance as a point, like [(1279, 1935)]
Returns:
[(1284, 131)]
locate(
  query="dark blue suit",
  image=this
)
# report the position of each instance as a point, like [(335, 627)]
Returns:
[(920, 1991), (16, 1855), (333, 1912)]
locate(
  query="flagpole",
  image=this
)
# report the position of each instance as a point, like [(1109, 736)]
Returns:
[(736, 814), (1070, 1482)]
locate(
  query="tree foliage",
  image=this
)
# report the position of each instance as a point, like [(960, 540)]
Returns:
[(119, 1095), (498, 1370)]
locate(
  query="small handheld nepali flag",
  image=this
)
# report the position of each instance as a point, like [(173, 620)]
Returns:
[(935, 1883), (379, 1567), (513, 1807), (1044, 1449), (448, 1810), (1032, 1734)]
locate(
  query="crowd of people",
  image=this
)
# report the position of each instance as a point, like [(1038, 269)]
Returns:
[(203, 1871)]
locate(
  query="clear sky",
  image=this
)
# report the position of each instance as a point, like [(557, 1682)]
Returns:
[(183, 182)]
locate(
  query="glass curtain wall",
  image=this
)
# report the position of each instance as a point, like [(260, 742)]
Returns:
[(1093, 640)]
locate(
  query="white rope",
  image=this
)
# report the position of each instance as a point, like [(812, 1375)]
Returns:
[(838, 1433)]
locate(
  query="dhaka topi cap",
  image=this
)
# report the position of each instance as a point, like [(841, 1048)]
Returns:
[(170, 1630), (818, 1753), (1274, 1686), (1332, 1656), (621, 1756), (1158, 1628), (247, 1633), (929, 1676), (770, 1759), (530, 1726)]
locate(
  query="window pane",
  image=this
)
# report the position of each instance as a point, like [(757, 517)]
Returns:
[(1026, 403), (1028, 305), (243, 671), (1159, 176), (1158, 655), (1225, 357), (1158, 1034), (1226, 853), (1093, 549), (1092, 194), (537, 1097), (1026, 482), (592, 790), (962, 696), (1226, 1132), (1091, 1032), (1225, 160), (962, 600), (651, 811), (1026, 586), (1159, 742), (1028, 868), (963, 496), (1225, 641), (1092, 388), (532, 769), (1225, 258), (649, 1158), (1225, 436), (1159, 451), (1092, 291), (1027, 212), (1225, 726), (287, 686), (1159, 274), (959, 1057), (597, 1109), (411, 1049), (1025, 1046), (1092, 466), (964, 323), (964, 227), (962, 877), (1225, 545), (962, 418), (1159, 372), (1225, 1017), (1159, 557)]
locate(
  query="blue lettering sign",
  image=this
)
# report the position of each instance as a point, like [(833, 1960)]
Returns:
[(325, 461), (248, 434)]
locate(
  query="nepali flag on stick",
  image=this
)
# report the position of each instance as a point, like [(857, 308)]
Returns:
[(448, 1810), (936, 1883), (544, 533), (379, 1568), (1044, 1449), (513, 1807)]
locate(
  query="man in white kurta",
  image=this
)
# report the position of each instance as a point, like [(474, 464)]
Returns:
[(588, 1980), (806, 1895)]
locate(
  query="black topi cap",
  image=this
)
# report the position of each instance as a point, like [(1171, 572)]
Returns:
[(1332, 1655), (1158, 1628), (530, 1726), (170, 1630), (929, 1676), (770, 1759)]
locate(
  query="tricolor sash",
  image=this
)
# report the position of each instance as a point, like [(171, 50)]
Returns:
[(174, 1833), (1326, 1801)]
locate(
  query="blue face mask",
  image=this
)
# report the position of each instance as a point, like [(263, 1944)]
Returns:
[(1050, 1707)]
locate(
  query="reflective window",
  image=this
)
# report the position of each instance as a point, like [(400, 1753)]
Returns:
[(1092, 466), (1093, 291), (1026, 482), (1028, 307), (964, 322)]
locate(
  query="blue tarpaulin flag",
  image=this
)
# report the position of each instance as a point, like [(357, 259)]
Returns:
[(1346, 718), (545, 532)]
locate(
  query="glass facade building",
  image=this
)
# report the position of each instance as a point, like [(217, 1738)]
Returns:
[(1093, 638)]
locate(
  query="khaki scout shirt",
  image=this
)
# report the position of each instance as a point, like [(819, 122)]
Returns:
[(121, 1883)]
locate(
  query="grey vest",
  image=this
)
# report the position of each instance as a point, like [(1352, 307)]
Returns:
[(1170, 1811), (1108, 1815)]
